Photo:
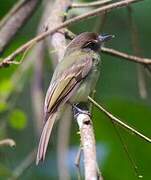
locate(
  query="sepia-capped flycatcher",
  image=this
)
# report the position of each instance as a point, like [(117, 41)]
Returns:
[(73, 80)]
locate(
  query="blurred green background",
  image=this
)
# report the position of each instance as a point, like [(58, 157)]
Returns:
[(117, 90)]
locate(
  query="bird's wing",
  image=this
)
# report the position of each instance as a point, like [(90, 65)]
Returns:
[(66, 84)]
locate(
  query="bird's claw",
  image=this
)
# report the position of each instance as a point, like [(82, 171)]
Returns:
[(77, 111)]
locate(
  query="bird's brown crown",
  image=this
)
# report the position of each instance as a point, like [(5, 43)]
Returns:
[(82, 41)]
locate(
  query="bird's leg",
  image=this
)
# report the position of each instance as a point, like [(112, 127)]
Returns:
[(80, 108)]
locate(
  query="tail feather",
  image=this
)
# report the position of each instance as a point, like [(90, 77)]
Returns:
[(44, 139)]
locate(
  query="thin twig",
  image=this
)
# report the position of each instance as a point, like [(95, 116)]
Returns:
[(118, 121), (141, 74), (91, 4), (125, 56), (125, 148), (7, 142), (40, 37), (15, 20), (148, 68), (26, 163)]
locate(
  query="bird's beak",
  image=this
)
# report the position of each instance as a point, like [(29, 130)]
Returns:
[(105, 37)]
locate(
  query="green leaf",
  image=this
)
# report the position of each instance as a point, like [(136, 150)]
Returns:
[(18, 119), (4, 171), (3, 106), (5, 87)]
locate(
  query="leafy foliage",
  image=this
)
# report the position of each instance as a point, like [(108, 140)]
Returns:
[(18, 119)]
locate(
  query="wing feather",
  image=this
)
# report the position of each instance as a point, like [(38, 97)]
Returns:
[(61, 89)]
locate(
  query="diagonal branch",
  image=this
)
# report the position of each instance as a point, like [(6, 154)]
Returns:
[(90, 4), (118, 121), (12, 11), (40, 37), (125, 56), (15, 20), (24, 165)]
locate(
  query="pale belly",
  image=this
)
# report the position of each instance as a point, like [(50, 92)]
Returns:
[(86, 87)]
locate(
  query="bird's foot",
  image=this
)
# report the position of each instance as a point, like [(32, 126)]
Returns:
[(78, 110)]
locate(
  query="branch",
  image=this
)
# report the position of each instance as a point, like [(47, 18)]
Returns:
[(55, 17), (14, 20), (125, 56), (7, 142), (11, 12), (37, 86), (88, 145), (137, 51), (92, 13), (63, 139), (26, 163), (91, 4), (118, 121)]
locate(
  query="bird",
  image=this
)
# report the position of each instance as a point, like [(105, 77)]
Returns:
[(73, 80)]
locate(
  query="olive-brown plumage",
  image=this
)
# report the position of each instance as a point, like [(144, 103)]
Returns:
[(73, 80)]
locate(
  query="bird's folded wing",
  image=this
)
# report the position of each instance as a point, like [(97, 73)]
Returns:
[(66, 84)]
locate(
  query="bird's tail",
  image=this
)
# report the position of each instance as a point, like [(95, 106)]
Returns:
[(44, 139)]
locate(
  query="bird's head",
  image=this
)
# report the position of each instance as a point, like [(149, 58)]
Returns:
[(88, 41)]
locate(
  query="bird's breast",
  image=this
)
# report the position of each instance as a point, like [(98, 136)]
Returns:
[(87, 85)]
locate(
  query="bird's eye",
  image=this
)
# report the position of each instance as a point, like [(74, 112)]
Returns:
[(93, 45)]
